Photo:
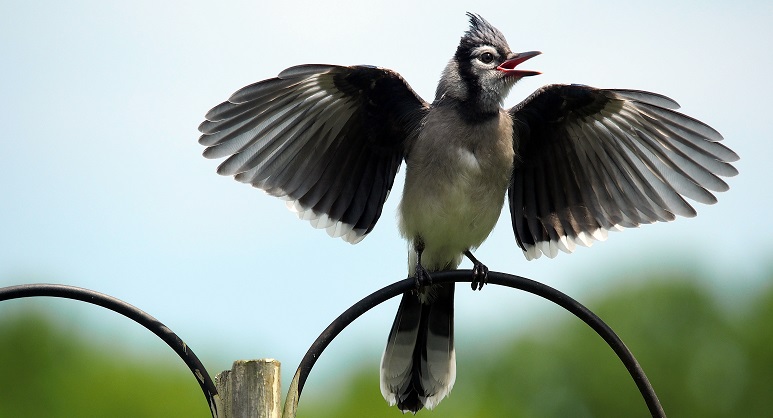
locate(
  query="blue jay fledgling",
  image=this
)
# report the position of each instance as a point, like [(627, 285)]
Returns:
[(574, 161)]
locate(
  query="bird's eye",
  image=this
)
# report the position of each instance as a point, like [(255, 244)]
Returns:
[(486, 57)]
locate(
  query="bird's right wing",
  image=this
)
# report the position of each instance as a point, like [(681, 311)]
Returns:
[(590, 160), (328, 139)]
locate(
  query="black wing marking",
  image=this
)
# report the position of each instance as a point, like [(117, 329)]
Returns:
[(328, 139), (591, 160)]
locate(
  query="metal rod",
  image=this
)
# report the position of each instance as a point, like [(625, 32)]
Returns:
[(498, 278), (135, 314)]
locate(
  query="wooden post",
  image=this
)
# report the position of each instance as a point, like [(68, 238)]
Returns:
[(251, 389)]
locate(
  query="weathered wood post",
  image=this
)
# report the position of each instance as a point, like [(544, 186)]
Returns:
[(251, 389)]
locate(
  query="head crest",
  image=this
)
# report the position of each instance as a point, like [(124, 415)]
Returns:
[(481, 33)]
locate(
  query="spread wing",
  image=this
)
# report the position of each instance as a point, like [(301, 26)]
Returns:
[(328, 139), (591, 160)]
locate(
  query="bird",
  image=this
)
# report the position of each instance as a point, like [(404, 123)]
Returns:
[(572, 161)]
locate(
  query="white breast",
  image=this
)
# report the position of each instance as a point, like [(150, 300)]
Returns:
[(468, 160)]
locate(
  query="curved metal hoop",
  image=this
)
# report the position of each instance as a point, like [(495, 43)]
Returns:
[(129, 311), (503, 279), (335, 328)]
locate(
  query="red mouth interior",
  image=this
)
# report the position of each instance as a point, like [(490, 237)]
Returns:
[(509, 65)]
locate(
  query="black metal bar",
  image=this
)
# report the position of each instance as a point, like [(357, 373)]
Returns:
[(346, 318), (498, 278), (129, 311)]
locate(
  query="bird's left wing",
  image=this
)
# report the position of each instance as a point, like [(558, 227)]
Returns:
[(591, 160), (328, 139)]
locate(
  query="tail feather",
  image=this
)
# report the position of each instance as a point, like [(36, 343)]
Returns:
[(418, 368)]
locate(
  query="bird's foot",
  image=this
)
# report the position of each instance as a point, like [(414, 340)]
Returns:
[(479, 272), (479, 276), (422, 277)]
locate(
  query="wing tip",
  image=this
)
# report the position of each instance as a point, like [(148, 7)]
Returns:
[(567, 243), (334, 228)]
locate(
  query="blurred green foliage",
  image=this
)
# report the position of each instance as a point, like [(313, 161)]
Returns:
[(49, 372), (702, 360)]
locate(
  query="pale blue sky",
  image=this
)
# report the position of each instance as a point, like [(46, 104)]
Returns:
[(103, 184)]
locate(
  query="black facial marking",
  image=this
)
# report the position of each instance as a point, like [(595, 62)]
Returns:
[(470, 109)]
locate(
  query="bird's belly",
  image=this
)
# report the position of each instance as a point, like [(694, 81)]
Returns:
[(450, 213), (455, 182)]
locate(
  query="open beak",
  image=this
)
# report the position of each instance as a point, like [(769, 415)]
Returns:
[(508, 67)]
